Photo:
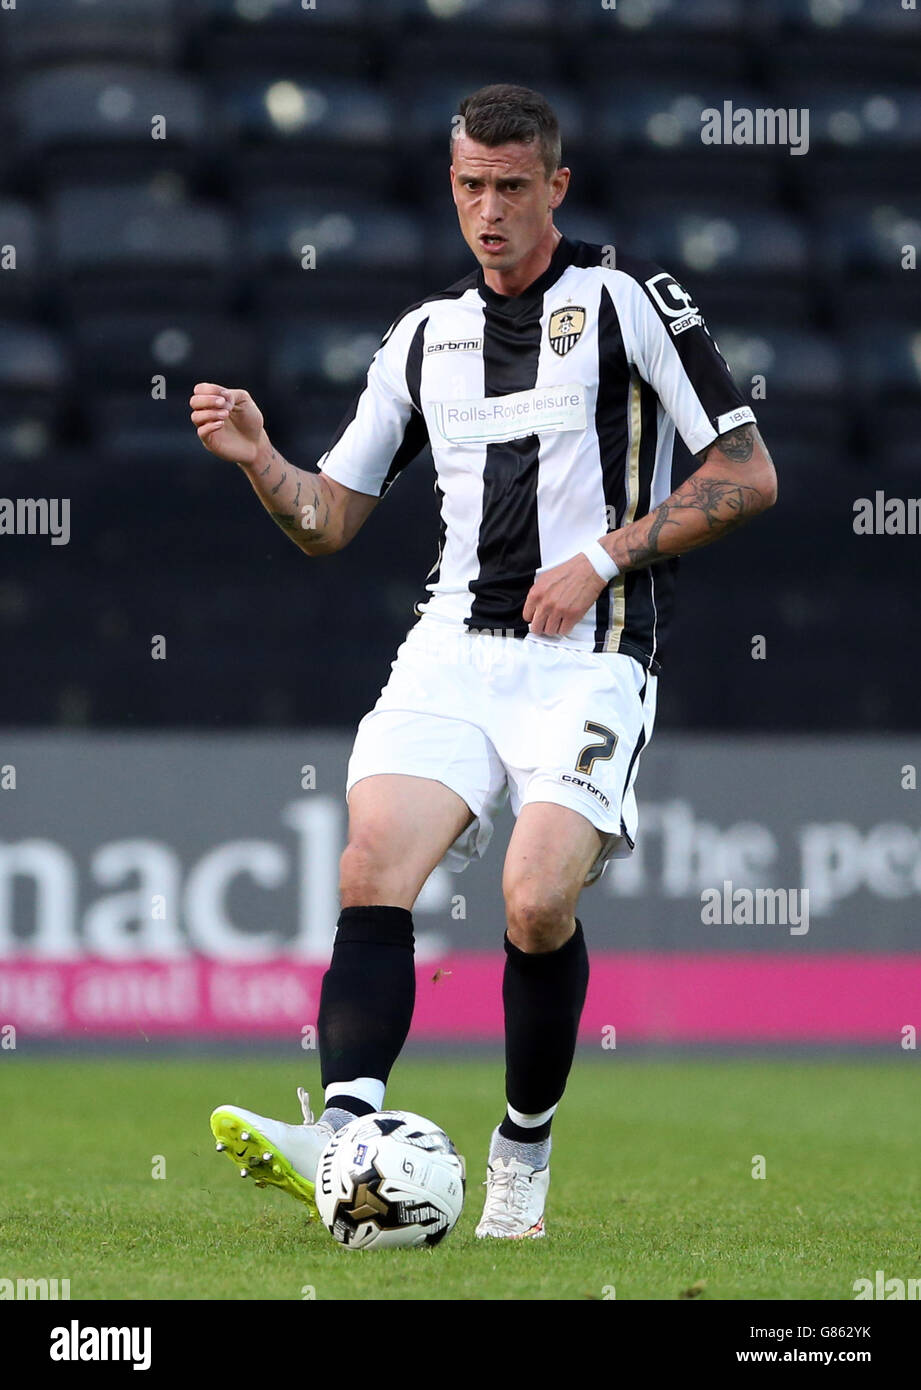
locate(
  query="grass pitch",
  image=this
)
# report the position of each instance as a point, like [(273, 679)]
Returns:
[(652, 1192)]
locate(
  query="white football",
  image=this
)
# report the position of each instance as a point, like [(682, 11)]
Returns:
[(389, 1179)]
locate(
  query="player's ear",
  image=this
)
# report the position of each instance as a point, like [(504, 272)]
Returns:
[(559, 185), (453, 187)]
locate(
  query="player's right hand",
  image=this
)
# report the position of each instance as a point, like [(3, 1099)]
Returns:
[(228, 421)]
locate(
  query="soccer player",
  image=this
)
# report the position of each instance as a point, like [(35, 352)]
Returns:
[(550, 383)]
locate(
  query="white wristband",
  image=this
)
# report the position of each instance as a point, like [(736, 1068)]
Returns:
[(601, 562)]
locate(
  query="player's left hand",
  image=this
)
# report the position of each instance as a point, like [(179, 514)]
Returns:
[(560, 596)]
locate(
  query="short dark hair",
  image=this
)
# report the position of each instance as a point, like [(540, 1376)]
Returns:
[(502, 113)]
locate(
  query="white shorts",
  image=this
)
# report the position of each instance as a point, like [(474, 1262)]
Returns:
[(494, 717)]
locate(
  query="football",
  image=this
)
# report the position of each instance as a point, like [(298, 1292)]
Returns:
[(389, 1179)]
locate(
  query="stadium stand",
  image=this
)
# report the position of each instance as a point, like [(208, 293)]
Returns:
[(143, 258)]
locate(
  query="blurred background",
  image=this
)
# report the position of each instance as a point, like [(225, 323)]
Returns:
[(163, 168), (180, 258)]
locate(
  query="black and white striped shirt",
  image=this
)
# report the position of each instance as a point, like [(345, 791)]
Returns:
[(551, 417)]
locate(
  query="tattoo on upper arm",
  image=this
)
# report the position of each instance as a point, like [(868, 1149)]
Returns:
[(737, 445)]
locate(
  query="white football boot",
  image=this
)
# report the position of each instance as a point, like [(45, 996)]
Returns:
[(273, 1153), (515, 1197)]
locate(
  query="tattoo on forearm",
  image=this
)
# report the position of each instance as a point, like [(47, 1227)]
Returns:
[(298, 520), (723, 504), (293, 521)]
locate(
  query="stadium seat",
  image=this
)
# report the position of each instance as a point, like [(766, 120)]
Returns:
[(293, 107), (825, 428), (707, 238), (664, 116), (623, 179), (183, 347), (102, 119), (861, 116), (23, 435), (884, 362), (751, 255), (320, 352), (34, 370), (617, 53), (462, 59), (867, 173), (265, 165), (846, 55), (647, 140), (892, 436), (46, 31), (23, 253), (282, 16), (367, 255), (131, 425), (867, 236), (822, 18), (815, 477), (342, 230), (293, 40), (507, 16), (804, 365), (130, 245), (795, 381), (663, 16), (119, 356)]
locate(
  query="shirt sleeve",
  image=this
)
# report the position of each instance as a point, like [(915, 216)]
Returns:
[(676, 355), (384, 428)]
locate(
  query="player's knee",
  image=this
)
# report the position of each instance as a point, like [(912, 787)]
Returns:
[(363, 871), (539, 919)]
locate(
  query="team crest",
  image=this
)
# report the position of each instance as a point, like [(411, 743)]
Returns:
[(565, 329)]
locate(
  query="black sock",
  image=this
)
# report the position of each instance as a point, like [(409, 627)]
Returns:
[(353, 1104), (543, 995), (368, 994)]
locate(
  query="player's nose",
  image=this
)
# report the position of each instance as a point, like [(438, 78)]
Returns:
[(490, 208)]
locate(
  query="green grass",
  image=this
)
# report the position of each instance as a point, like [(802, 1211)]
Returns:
[(652, 1189)]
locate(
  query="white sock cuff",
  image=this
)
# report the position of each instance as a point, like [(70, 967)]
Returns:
[(366, 1088), (524, 1121)]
